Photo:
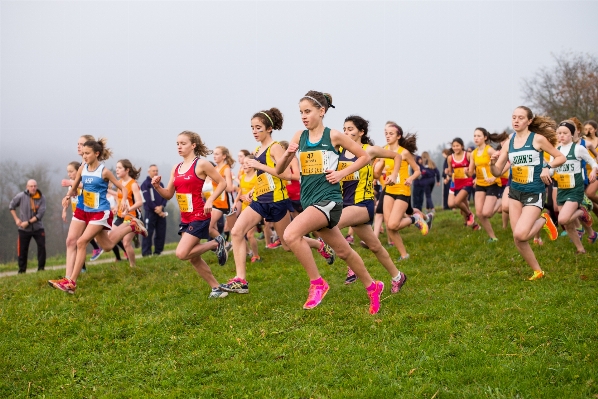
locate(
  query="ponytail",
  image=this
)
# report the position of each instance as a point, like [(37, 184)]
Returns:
[(133, 173), (100, 147), (543, 125), (200, 150)]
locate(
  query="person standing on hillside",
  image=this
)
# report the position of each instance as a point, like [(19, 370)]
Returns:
[(155, 217), (32, 206)]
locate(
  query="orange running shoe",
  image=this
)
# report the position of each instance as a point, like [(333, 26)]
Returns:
[(550, 227)]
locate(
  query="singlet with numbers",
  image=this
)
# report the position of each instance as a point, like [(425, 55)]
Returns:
[(460, 178), (359, 185), (314, 160), (188, 187), (94, 190), (482, 167), (245, 187), (570, 174), (399, 188), (268, 188), (526, 166)]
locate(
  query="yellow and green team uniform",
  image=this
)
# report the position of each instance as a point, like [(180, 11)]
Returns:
[(399, 188), (358, 187), (270, 196)]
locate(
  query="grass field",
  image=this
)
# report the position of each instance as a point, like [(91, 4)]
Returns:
[(467, 324)]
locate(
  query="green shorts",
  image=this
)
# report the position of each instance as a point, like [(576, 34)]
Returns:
[(569, 195)]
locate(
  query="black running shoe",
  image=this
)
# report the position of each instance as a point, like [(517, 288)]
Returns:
[(221, 251)]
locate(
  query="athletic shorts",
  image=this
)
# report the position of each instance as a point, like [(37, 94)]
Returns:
[(404, 198), (501, 191), (469, 190), (102, 218), (380, 204), (569, 195), (226, 211), (332, 210), (197, 228), (528, 199), (491, 191), (367, 204), (272, 211), (297, 206)]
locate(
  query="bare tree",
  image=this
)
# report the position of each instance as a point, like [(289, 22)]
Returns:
[(570, 88)]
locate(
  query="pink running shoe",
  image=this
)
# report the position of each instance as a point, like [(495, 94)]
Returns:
[(274, 245), (138, 227), (470, 220), (375, 297), (397, 284), (316, 294), (64, 284), (586, 218)]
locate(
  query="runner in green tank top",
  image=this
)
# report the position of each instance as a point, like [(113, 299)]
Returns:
[(321, 196), (569, 177), (525, 207), (266, 205)]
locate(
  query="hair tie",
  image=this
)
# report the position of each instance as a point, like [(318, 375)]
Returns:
[(329, 101), (268, 116), (316, 101), (568, 126)]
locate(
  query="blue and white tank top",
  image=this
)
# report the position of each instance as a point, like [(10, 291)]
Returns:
[(94, 190), (526, 166)]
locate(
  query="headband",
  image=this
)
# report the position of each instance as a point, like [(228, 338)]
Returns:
[(268, 116), (568, 126), (316, 101)]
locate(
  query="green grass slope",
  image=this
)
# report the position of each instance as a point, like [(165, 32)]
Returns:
[(467, 324)]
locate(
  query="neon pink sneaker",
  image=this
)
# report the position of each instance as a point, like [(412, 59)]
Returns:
[(375, 297), (470, 220), (316, 294), (64, 284)]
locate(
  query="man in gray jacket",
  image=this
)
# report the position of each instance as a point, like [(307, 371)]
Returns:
[(32, 206)]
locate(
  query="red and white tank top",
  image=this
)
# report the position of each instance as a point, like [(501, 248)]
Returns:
[(188, 187), (460, 178)]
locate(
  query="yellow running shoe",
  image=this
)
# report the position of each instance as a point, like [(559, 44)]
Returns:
[(537, 275), (549, 226)]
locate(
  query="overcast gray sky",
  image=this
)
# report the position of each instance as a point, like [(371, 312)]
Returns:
[(140, 72)]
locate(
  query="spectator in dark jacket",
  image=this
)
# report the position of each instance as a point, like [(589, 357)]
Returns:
[(32, 206), (155, 217), (429, 176), (417, 189)]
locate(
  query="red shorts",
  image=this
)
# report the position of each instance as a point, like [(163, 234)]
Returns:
[(102, 218)]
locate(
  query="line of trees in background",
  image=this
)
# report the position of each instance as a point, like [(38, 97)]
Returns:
[(13, 179)]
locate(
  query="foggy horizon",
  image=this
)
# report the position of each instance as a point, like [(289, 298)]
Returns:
[(139, 73)]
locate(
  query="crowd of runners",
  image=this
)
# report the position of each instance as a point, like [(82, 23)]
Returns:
[(300, 194)]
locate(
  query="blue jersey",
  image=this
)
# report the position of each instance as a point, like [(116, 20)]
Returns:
[(94, 190)]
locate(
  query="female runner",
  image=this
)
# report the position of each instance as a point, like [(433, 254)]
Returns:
[(397, 198), (462, 187), (533, 135), (186, 182), (247, 182), (270, 198), (570, 180), (95, 219), (128, 176), (223, 203), (321, 196), (487, 187), (358, 197)]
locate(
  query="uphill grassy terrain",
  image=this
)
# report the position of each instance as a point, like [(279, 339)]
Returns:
[(467, 324)]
